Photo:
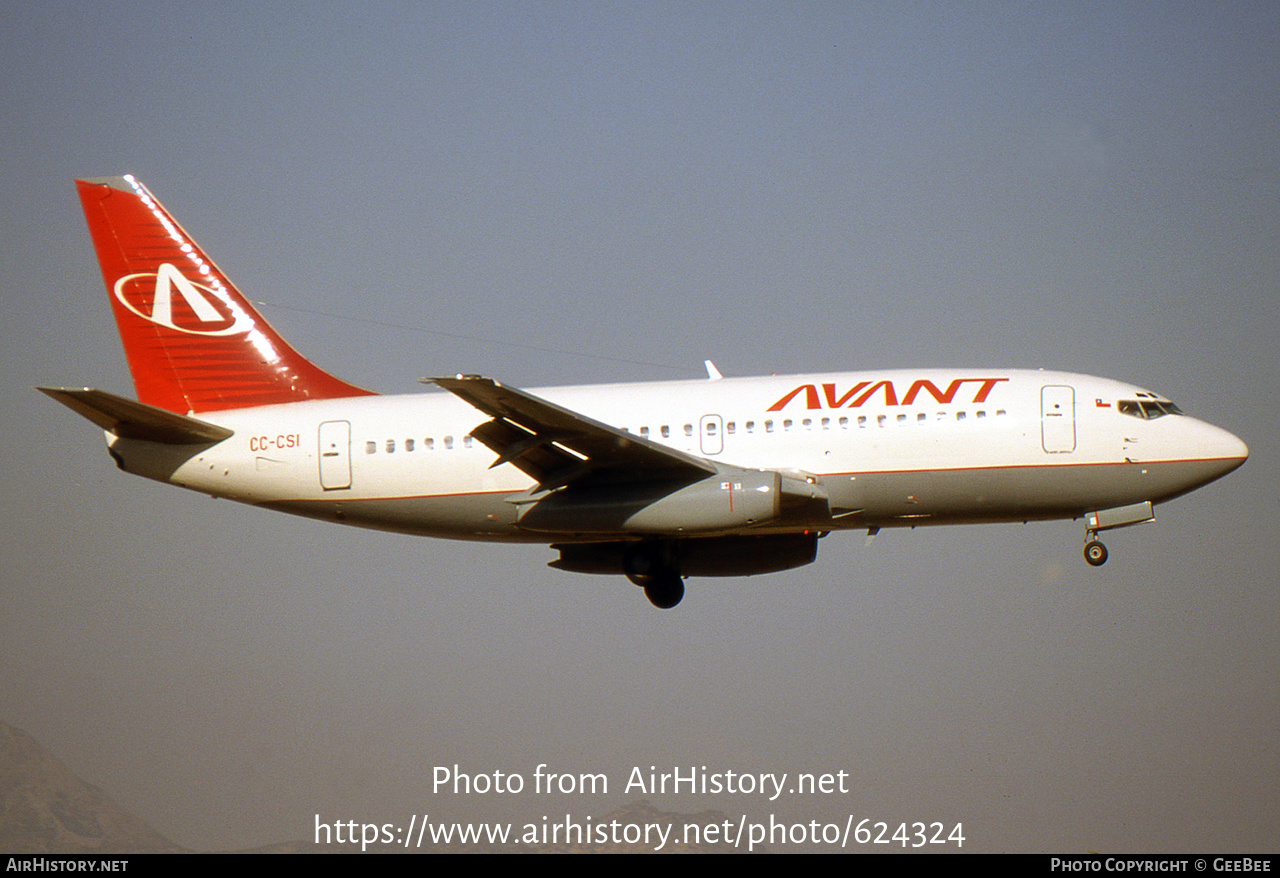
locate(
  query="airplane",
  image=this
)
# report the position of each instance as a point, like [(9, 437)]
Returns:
[(655, 481)]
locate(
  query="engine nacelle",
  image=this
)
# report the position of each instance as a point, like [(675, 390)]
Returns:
[(717, 504)]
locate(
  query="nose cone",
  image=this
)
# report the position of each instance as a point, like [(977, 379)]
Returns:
[(1237, 450), (1224, 449)]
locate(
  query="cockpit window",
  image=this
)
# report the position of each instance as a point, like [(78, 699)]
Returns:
[(1147, 409)]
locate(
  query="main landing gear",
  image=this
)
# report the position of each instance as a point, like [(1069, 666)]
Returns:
[(665, 591), (651, 568)]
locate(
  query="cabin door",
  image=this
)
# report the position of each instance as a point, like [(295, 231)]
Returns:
[(1058, 418), (335, 455)]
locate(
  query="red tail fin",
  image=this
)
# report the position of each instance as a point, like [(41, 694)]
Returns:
[(193, 342)]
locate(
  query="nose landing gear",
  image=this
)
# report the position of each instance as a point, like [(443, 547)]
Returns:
[(1106, 519), (1094, 552)]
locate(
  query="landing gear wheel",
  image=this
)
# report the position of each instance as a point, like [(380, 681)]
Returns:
[(665, 590), (643, 564), (1095, 553)]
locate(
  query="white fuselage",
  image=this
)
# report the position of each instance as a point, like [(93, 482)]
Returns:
[(899, 448)]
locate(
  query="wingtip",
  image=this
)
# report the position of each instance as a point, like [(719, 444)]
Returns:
[(443, 380)]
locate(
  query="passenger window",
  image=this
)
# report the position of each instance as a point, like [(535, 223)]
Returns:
[(920, 418), (408, 445), (370, 447), (730, 427), (844, 423), (960, 416), (448, 442), (688, 429), (430, 443), (768, 426), (786, 423), (902, 419), (666, 432), (391, 446), (466, 441), (826, 423), (644, 432), (751, 426)]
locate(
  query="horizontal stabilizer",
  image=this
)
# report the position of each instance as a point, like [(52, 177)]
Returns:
[(136, 420)]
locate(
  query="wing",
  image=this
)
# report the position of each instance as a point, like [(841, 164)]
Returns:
[(556, 446)]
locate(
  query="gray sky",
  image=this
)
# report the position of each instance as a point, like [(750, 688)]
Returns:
[(555, 193)]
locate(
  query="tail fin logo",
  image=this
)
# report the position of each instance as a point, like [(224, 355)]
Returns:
[(196, 310)]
